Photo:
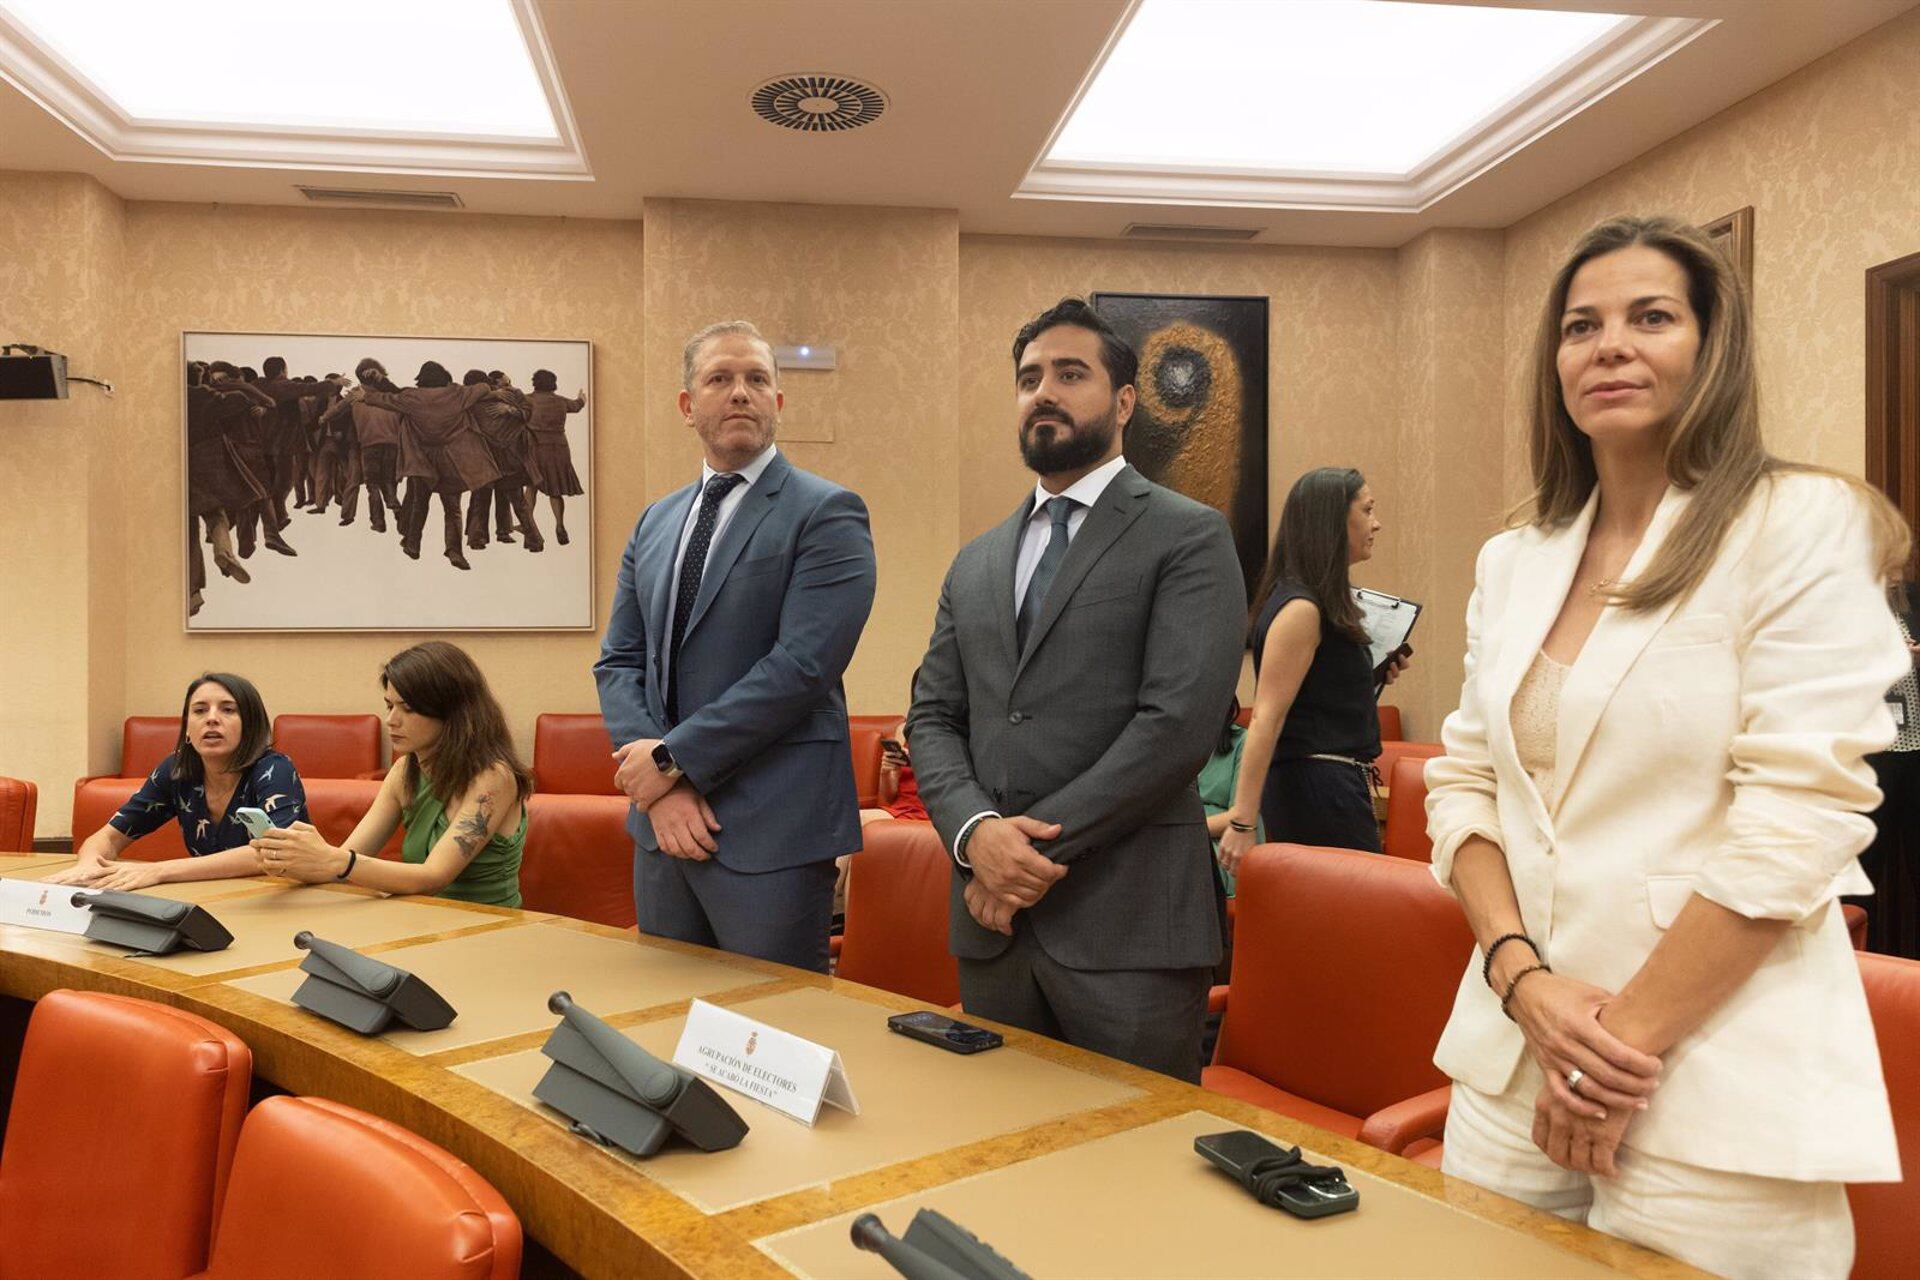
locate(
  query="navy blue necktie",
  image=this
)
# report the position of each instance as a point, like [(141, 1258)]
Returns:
[(1059, 511), (692, 565)]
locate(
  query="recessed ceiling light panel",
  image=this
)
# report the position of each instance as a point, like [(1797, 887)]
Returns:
[(422, 85), (1332, 103), (818, 103)]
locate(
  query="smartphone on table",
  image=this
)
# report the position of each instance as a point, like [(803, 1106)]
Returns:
[(946, 1033)]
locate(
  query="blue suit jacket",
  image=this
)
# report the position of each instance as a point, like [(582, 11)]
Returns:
[(763, 718)]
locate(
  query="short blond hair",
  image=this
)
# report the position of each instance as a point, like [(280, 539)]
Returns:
[(691, 352)]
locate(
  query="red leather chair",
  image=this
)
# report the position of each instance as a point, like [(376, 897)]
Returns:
[(97, 799), (125, 1115), (579, 859), (1856, 918), (1344, 971), (1390, 730), (329, 746), (896, 933), (1406, 835), (1392, 752), (324, 1192), (19, 804), (1884, 1212), (573, 755), (863, 735), (145, 741), (335, 807)]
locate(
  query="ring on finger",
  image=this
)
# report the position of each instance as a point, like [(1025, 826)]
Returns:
[(1574, 1077)]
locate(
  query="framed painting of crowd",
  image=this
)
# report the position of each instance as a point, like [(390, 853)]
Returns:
[(1200, 423), (338, 482)]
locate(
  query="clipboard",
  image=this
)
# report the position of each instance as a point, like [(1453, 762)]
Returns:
[(1389, 621)]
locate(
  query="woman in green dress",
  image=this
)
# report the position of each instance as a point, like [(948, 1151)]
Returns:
[(456, 786)]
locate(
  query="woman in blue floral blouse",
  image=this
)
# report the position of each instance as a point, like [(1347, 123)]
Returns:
[(224, 762)]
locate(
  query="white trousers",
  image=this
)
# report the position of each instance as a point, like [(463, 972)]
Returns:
[(1732, 1224)]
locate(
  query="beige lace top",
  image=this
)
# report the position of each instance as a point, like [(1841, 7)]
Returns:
[(1536, 721)]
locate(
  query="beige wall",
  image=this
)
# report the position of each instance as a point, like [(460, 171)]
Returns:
[(61, 627)]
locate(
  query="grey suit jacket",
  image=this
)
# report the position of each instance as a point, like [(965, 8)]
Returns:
[(1102, 725), (762, 732)]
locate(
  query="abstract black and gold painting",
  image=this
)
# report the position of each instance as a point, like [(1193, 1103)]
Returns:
[(1200, 424)]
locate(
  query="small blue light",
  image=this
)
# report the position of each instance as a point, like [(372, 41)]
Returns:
[(805, 352)]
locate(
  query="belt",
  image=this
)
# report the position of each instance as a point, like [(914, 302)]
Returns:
[(1365, 767)]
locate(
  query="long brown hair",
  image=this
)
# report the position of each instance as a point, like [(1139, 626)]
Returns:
[(1714, 449), (440, 680), (1311, 548)]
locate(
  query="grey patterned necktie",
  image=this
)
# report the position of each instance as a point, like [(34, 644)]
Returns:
[(692, 566), (1059, 511)]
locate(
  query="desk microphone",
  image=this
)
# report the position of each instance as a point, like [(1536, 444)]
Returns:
[(935, 1248)]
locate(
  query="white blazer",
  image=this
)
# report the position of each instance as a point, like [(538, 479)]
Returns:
[(1713, 746)]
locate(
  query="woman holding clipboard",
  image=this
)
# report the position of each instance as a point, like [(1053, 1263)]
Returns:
[(1306, 768)]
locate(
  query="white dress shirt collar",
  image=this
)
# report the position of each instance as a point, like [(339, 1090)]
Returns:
[(751, 472), (1086, 490)]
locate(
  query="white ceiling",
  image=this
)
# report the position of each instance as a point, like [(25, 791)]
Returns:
[(659, 88)]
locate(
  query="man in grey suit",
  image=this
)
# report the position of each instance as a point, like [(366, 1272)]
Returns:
[(1082, 660), (739, 603)]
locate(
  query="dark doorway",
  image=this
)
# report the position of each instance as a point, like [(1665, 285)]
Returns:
[(1893, 382)]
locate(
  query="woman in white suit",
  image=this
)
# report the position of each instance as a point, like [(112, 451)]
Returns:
[(1654, 791)]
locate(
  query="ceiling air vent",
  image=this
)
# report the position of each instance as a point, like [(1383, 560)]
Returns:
[(376, 196), (1176, 231), (818, 103)]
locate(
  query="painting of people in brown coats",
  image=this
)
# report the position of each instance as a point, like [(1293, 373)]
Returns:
[(354, 483)]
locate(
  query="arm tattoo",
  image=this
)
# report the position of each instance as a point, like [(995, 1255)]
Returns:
[(471, 832)]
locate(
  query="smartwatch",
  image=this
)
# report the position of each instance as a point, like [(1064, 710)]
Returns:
[(663, 761)]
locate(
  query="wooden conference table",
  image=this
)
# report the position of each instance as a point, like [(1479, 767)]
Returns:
[(1069, 1163)]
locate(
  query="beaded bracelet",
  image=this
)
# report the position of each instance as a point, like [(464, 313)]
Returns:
[(1513, 986), (1486, 964)]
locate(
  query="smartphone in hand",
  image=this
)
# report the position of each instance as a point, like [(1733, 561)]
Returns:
[(254, 820)]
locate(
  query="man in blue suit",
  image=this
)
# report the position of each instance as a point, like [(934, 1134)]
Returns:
[(739, 603)]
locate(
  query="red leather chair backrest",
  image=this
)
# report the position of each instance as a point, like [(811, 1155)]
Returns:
[(573, 755), (97, 799), (125, 1115), (1355, 954), (329, 746), (1406, 835), (145, 741), (1390, 730), (863, 737), (1856, 919), (1393, 752), (322, 1191), (896, 934), (1884, 1212), (336, 805), (19, 804), (579, 859)]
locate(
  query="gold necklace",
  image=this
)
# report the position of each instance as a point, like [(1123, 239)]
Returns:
[(1601, 587)]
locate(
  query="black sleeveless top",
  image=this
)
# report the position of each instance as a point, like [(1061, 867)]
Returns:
[(1334, 713)]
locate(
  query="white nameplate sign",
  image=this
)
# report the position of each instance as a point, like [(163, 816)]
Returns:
[(42, 906), (791, 1075)]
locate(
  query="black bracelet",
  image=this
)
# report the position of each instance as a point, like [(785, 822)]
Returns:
[(1513, 986), (1486, 964), (1240, 826), (353, 856)]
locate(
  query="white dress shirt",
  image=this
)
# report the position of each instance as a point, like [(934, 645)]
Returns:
[(1033, 544), (728, 505)]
